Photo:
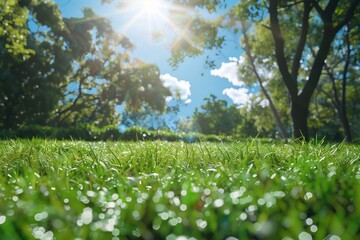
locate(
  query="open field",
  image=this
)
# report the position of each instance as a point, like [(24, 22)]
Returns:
[(160, 190)]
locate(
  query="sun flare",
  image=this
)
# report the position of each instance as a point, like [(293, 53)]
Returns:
[(152, 13), (152, 7), (154, 17)]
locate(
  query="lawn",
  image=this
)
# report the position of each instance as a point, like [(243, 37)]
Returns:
[(160, 190)]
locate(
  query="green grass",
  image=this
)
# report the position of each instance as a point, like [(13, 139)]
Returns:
[(160, 190)]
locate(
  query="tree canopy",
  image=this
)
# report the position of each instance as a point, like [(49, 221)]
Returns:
[(60, 71), (298, 29)]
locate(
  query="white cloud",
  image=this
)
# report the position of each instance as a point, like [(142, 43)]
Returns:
[(187, 101), (239, 96), (177, 87), (230, 70)]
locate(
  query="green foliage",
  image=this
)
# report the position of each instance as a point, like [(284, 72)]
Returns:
[(159, 190), (65, 71), (80, 132), (13, 29), (137, 134), (89, 132), (298, 36), (216, 117)]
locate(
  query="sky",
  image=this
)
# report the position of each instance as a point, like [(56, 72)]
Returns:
[(139, 20)]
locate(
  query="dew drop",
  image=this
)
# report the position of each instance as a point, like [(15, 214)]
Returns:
[(201, 223), (334, 237), (305, 236), (308, 195), (41, 216), (218, 203), (309, 221), (313, 228), (86, 216), (2, 219)]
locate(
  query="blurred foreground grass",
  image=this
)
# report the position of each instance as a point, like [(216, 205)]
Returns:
[(161, 190)]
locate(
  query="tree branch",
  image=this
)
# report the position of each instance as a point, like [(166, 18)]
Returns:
[(330, 9), (291, 4), (290, 83), (302, 40), (328, 95), (349, 14), (260, 81), (319, 9), (345, 71), (336, 103), (318, 64)]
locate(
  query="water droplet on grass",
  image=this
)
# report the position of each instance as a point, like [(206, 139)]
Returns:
[(86, 216), (91, 193), (305, 236), (19, 191), (207, 192), (136, 215), (309, 221), (252, 208), (243, 216), (334, 237), (313, 228), (308, 195), (170, 194), (164, 216), (332, 173), (116, 232), (2, 219), (183, 207), (231, 238), (218, 203), (156, 224), (41, 216), (261, 201), (173, 221), (201, 223), (111, 205)]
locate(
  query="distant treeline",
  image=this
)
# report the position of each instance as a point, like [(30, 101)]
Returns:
[(109, 133)]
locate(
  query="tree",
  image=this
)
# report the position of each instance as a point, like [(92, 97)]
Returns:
[(149, 118), (333, 17), (255, 62), (216, 117), (77, 70), (28, 89), (340, 76), (329, 17)]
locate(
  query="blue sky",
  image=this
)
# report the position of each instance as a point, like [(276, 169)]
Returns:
[(192, 78)]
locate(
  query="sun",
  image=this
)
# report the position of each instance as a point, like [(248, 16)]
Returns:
[(154, 19), (152, 13), (153, 7)]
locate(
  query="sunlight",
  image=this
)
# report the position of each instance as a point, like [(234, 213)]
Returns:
[(152, 7), (154, 15), (149, 12)]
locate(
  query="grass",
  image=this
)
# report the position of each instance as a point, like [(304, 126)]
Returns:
[(159, 190)]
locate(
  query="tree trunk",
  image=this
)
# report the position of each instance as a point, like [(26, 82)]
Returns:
[(343, 113), (273, 109), (345, 124), (299, 115)]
